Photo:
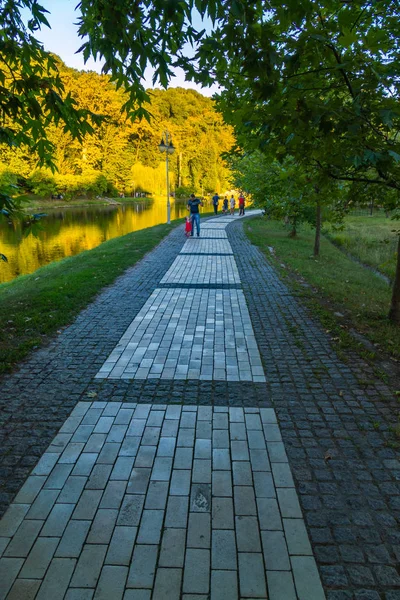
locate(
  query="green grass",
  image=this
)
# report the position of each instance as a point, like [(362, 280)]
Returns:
[(371, 240), (34, 307), (340, 285)]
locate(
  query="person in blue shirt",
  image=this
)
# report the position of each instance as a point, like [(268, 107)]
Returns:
[(193, 206), (215, 200)]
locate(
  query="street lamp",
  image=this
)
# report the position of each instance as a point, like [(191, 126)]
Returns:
[(167, 147)]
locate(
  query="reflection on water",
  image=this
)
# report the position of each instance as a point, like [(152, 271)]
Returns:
[(68, 231)]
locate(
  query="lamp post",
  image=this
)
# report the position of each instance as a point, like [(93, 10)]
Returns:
[(167, 147)]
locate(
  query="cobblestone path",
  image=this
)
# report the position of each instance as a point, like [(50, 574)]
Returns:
[(193, 435)]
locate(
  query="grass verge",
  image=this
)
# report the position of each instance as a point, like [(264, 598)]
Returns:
[(34, 307), (370, 239), (336, 284)]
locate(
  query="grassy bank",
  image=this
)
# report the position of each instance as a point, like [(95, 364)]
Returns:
[(338, 284), (371, 240), (33, 307)]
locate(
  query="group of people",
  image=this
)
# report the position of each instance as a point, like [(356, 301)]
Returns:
[(231, 203), (194, 207)]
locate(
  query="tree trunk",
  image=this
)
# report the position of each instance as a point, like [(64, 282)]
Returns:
[(317, 241), (394, 312)]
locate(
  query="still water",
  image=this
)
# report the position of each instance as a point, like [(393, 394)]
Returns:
[(68, 231)]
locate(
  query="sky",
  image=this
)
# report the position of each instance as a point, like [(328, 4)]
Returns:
[(62, 39)]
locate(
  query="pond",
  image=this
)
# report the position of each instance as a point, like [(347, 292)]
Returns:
[(68, 231)]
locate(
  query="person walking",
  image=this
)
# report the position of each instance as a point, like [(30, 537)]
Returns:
[(225, 205), (232, 205), (215, 200), (241, 205), (193, 206)]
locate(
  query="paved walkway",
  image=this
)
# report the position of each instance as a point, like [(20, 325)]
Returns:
[(171, 477)]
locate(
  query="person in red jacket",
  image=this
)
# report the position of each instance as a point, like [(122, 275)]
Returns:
[(241, 205)]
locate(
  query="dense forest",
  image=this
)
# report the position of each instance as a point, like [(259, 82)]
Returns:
[(122, 155)]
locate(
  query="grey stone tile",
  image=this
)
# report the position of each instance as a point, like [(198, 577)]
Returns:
[(170, 428), (99, 477), (45, 464), (201, 471), (238, 432), (275, 551), (244, 501), (111, 583), (30, 489), (72, 490), (259, 460), (277, 452), (155, 418), (151, 436), (138, 481), (39, 558), (150, 527), (102, 526), (72, 541), (109, 453), (143, 567), (221, 459), (87, 505), (177, 511), (173, 412), (168, 584), (57, 578), (124, 416), (137, 595), (95, 442), (272, 433), (268, 514), (247, 534), (224, 584), (196, 579), (204, 430), (180, 483), (199, 530), (222, 513), (220, 421), (306, 578), (221, 483), (188, 420), (239, 450), (70, 454), (129, 446), (251, 575), (172, 548), (297, 537), (282, 475), (253, 421), (79, 594), (145, 456), (23, 589), (236, 415), (263, 484), (256, 440), (131, 510), (12, 519), (224, 554), (89, 565), (121, 546), (183, 458), (104, 425), (280, 585), (9, 569), (289, 503), (162, 469), (268, 415), (122, 468), (113, 494), (23, 540), (220, 438), (202, 448), (57, 520), (241, 472), (84, 464), (58, 477), (204, 413), (43, 504), (186, 438), (156, 497), (166, 446)]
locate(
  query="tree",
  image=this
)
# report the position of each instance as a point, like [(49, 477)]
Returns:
[(316, 79)]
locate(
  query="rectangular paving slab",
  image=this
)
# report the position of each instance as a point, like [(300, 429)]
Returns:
[(175, 531)]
